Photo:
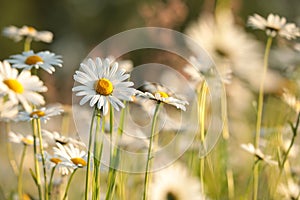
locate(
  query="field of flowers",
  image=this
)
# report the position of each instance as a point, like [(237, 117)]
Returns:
[(211, 112)]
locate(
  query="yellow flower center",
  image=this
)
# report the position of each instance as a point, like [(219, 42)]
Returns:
[(37, 113), (55, 160), (14, 85), (79, 162), (32, 60), (31, 29), (104, 87), (27, 141), (162, 94)]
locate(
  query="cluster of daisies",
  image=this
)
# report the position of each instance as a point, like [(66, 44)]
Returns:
[(105, 86)]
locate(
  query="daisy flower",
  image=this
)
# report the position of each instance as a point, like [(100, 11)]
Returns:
[(28, 60), (21, 87), (184, 188), (70, 154), (291, 100), (18, 34), (159, 93), (43, 113), (291, 190), (55, 137), (103, 84), (273, 25), (8, 110), (257, 153), (19, 138), (63, 167)]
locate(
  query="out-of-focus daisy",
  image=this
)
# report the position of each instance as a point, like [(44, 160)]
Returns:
[(63, 167), (28, 60), (215, 34), (21, 87), (55, 137), (18, 34), (291, 100), (8, 110), (43, 113), (19, 138), (257, 153), (159, 93), (69, 153), (289, 191), (175, 183), (103, 84), (273, 25)]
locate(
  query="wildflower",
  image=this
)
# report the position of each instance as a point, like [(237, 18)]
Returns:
[(257, 153), (102, 83), (184, 188), (70, 154), (291, 190), (21, 87), (291, 100), (273, 25), (160, 93), (19, 138), (55, 137), (8, 110), (28, 60), (43, 113), (18, 34), (52, 161)]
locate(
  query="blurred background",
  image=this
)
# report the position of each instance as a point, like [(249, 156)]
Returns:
[(79, 25)]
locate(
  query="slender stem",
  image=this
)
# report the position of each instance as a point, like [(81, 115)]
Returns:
[(259, 114), (51, 182), (87, 177), (97, 157), (38, 122), (149, 157), (11, 159), (69, 183), (20, 177), (261, 92), (27, 43), (36, 163)]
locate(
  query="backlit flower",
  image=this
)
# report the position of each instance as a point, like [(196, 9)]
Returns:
[(19, 138), (18, 34), (63, 167), (21, 87), (160, 93), (70, 154), (43, 113), (175, 183), (273, 25), (103, 84), (257, 153), (28, 60), (8, 110)]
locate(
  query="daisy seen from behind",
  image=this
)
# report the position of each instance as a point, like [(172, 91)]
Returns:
[(18, 34), (274, 25), (19, 138), (21, 87), (102, 83), (8, 110), (45, 60)]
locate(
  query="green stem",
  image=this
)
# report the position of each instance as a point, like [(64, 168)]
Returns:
[(97, 157), (87, 177), (51, 182), (38, 122), (149, 157), (20, 177), (36, 163), (69, 183), (10, 155), (27, 44), (259, 113), (261, 92)]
